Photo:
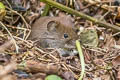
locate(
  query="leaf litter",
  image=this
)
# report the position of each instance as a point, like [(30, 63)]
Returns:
[(35, 63)]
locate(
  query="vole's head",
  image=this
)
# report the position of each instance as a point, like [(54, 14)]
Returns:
[(63, 34)]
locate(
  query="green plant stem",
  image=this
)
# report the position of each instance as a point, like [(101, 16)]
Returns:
[(74, 12), (81, 59), (46, 10)]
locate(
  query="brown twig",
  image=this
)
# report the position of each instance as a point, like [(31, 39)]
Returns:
[(82, 15)]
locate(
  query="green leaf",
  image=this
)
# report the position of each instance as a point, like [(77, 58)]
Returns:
[(53, 77), (2, 6), (2, 11)]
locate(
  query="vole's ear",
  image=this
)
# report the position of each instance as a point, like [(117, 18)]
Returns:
[(52, 26)]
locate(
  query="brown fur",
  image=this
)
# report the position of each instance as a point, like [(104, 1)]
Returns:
[(40, 31)]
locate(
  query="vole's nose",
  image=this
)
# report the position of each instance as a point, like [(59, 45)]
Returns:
[(70, 44)]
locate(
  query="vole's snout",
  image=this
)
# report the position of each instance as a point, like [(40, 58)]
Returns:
[(70, 44)]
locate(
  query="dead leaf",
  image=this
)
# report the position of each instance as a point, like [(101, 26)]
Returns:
[(106, 77), (6, 45), (116, 61), (68, 76), (109, 41), (89, 37), (118, 74), (7, 69), (8, 77)]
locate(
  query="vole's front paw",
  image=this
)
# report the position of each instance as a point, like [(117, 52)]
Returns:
[(66, 52)]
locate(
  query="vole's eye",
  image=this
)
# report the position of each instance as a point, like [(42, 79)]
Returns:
[(65, 35)]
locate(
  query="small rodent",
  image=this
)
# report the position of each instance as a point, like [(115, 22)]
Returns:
[(53, 32)]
